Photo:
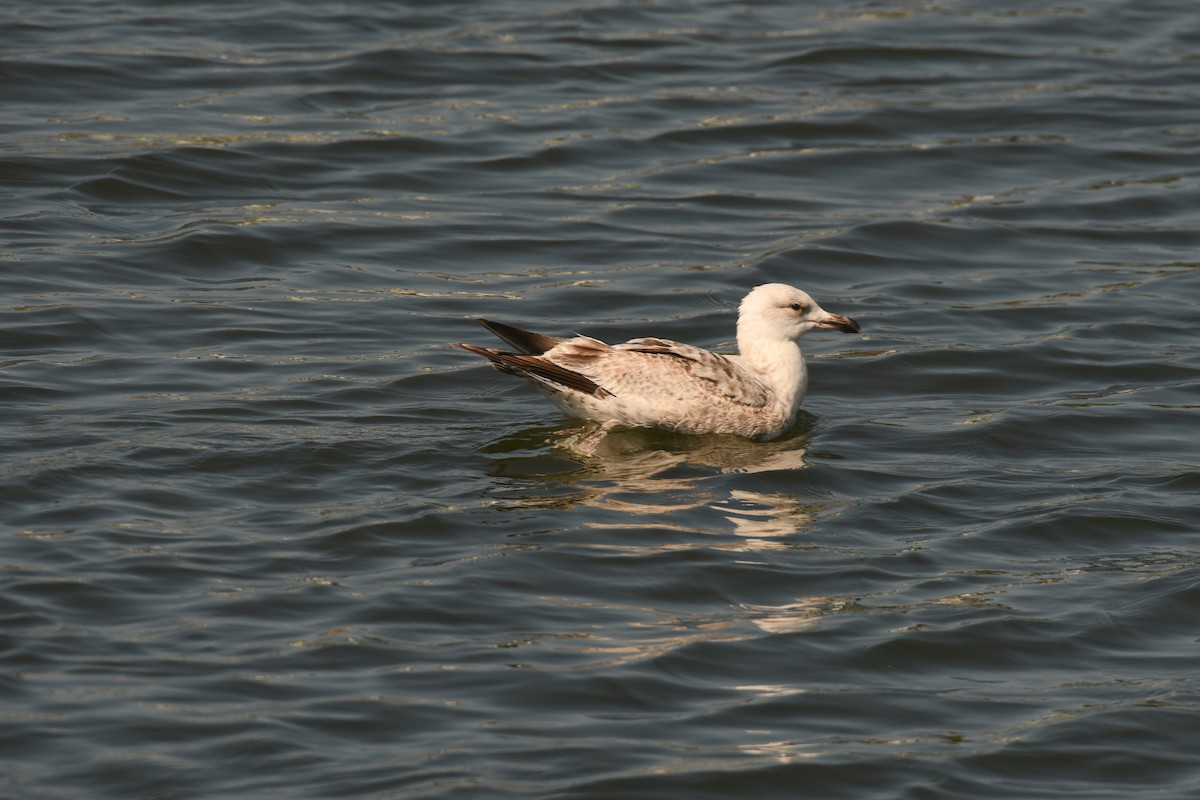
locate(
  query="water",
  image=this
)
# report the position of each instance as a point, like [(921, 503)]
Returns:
[(266, 535)]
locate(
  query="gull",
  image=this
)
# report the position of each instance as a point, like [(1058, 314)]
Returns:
[(658, 383)]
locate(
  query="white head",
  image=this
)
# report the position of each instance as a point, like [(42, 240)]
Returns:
[(776, 311)]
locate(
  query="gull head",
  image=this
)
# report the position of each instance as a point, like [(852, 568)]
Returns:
[(779, 311)]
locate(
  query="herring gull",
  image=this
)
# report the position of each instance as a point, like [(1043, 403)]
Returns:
[(658, 383)]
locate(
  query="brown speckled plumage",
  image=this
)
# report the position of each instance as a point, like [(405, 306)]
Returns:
[(658, 383)]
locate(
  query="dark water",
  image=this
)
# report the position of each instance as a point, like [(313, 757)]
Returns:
[(265, 535)]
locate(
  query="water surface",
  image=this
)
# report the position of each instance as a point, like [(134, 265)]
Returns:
[(266, 535)]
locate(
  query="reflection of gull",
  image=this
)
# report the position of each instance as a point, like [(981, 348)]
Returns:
[(659, 480), (776, 515), (645, 453), (791, 617), (658, 383), (785, 752)]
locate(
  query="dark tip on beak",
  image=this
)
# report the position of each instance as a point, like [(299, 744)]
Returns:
[(836, 322)]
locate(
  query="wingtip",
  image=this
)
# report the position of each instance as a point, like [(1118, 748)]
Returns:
[(526, 342), (471, 348)]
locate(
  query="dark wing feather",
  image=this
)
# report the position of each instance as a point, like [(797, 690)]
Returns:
[(527, 342), (535, 366)]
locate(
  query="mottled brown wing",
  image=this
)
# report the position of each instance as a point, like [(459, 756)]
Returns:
[(718, 373)]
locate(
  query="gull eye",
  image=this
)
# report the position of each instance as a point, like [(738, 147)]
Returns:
[(796, 307)]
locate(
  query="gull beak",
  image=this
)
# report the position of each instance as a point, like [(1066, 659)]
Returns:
[(836, 322)]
